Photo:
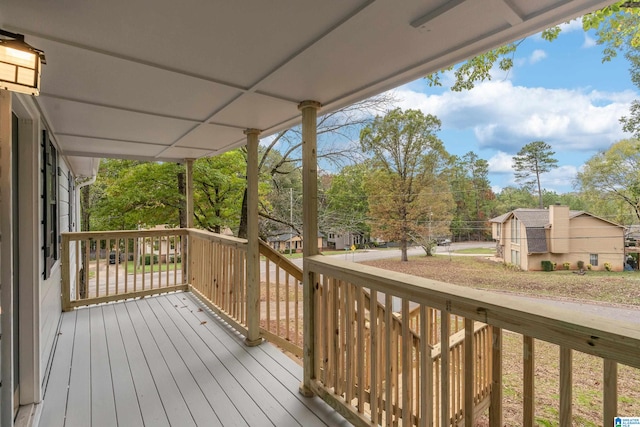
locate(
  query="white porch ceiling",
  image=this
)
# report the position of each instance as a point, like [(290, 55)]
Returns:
[(168, 80)]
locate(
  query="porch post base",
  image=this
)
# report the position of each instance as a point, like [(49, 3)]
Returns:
[(305, 391), (253, 343)]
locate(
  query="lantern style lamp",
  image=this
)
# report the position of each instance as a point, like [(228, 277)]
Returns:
[(19, 64)]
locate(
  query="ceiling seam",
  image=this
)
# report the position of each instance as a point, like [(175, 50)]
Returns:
[(253, 88)]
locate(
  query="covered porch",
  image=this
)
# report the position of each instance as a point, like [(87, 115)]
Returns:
[(377, 340), (169, 82), (168, 360)]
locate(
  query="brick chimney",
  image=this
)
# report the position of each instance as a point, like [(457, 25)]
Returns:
[(559, 232)]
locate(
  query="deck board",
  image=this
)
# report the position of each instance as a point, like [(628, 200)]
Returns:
[(151, 408), (271, 384), (126, 401), (167, 361), (103, 405), (54, 408), (79, 403)]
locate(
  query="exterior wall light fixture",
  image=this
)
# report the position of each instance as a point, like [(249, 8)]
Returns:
[(20, 64)]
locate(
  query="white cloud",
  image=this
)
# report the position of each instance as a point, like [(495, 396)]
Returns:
[(559, 179), (506, 117), (537, 55), (588, 41), (501, 162), (571, 26)]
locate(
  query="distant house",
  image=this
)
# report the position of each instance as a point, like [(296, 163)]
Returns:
[(285, 241), (339, 240), (525, 237)]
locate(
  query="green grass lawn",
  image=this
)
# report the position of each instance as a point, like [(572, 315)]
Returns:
[(130, 265), (479, 251)]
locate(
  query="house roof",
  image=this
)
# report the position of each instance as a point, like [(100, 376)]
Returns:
[(536, 221), (167, 80)]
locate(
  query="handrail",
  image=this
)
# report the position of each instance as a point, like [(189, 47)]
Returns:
[(104, 266), (280, 261), (600, 336), (387, 353), (281, 317)]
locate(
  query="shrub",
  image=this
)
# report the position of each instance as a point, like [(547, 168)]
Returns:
[(580, 265), (589, 266), (566, 265), (555, 265), (147, 259), (607, 266), (547, 265)]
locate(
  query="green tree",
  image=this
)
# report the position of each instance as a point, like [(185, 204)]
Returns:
[(219, 183), (533, 159), (615, 175), (346, 202), (129, 193), (471, 189), (335, 131), (511, 198), (631, 122), (617, 28), (399, 203)]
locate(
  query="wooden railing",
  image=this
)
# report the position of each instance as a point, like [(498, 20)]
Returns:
[(398, 392), (378, 368), (281, 301), (107, 266), (218, 274)]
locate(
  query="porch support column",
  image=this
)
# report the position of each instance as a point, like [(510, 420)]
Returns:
[(186, 240), (309, 235), (189, 185), (253, 246), (6, 261)]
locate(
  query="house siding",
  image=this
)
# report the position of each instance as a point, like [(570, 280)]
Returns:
[(40, 304), (585, 235)]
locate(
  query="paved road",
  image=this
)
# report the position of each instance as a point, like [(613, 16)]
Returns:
[(619, 312)]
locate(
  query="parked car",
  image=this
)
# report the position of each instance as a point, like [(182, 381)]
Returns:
[(113, 258), (443, 242)]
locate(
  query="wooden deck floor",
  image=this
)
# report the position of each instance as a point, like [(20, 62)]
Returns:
[(166, 361)]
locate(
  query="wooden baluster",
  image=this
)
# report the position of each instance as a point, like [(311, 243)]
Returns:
[(495, 408), (361, 357), (407, 345), (610, 391), (566, 370), (296, 311), (97, 290), (268, 293), (469, 352), (445, 399), (349, 342), (388, 360), (528, 387), (287, 305), (426, 369), (373, 325)]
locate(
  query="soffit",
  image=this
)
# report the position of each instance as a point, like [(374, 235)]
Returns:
[(166, 80)]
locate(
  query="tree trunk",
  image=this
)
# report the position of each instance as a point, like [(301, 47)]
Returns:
[(182, 190), (84, 208), (403, 249), (242, 229)]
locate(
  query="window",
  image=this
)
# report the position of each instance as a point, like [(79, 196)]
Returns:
[(515, 230), (50, 226), (515, 257), (593, 259)]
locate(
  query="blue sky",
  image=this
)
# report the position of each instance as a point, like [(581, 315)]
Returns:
[(559, 92)]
